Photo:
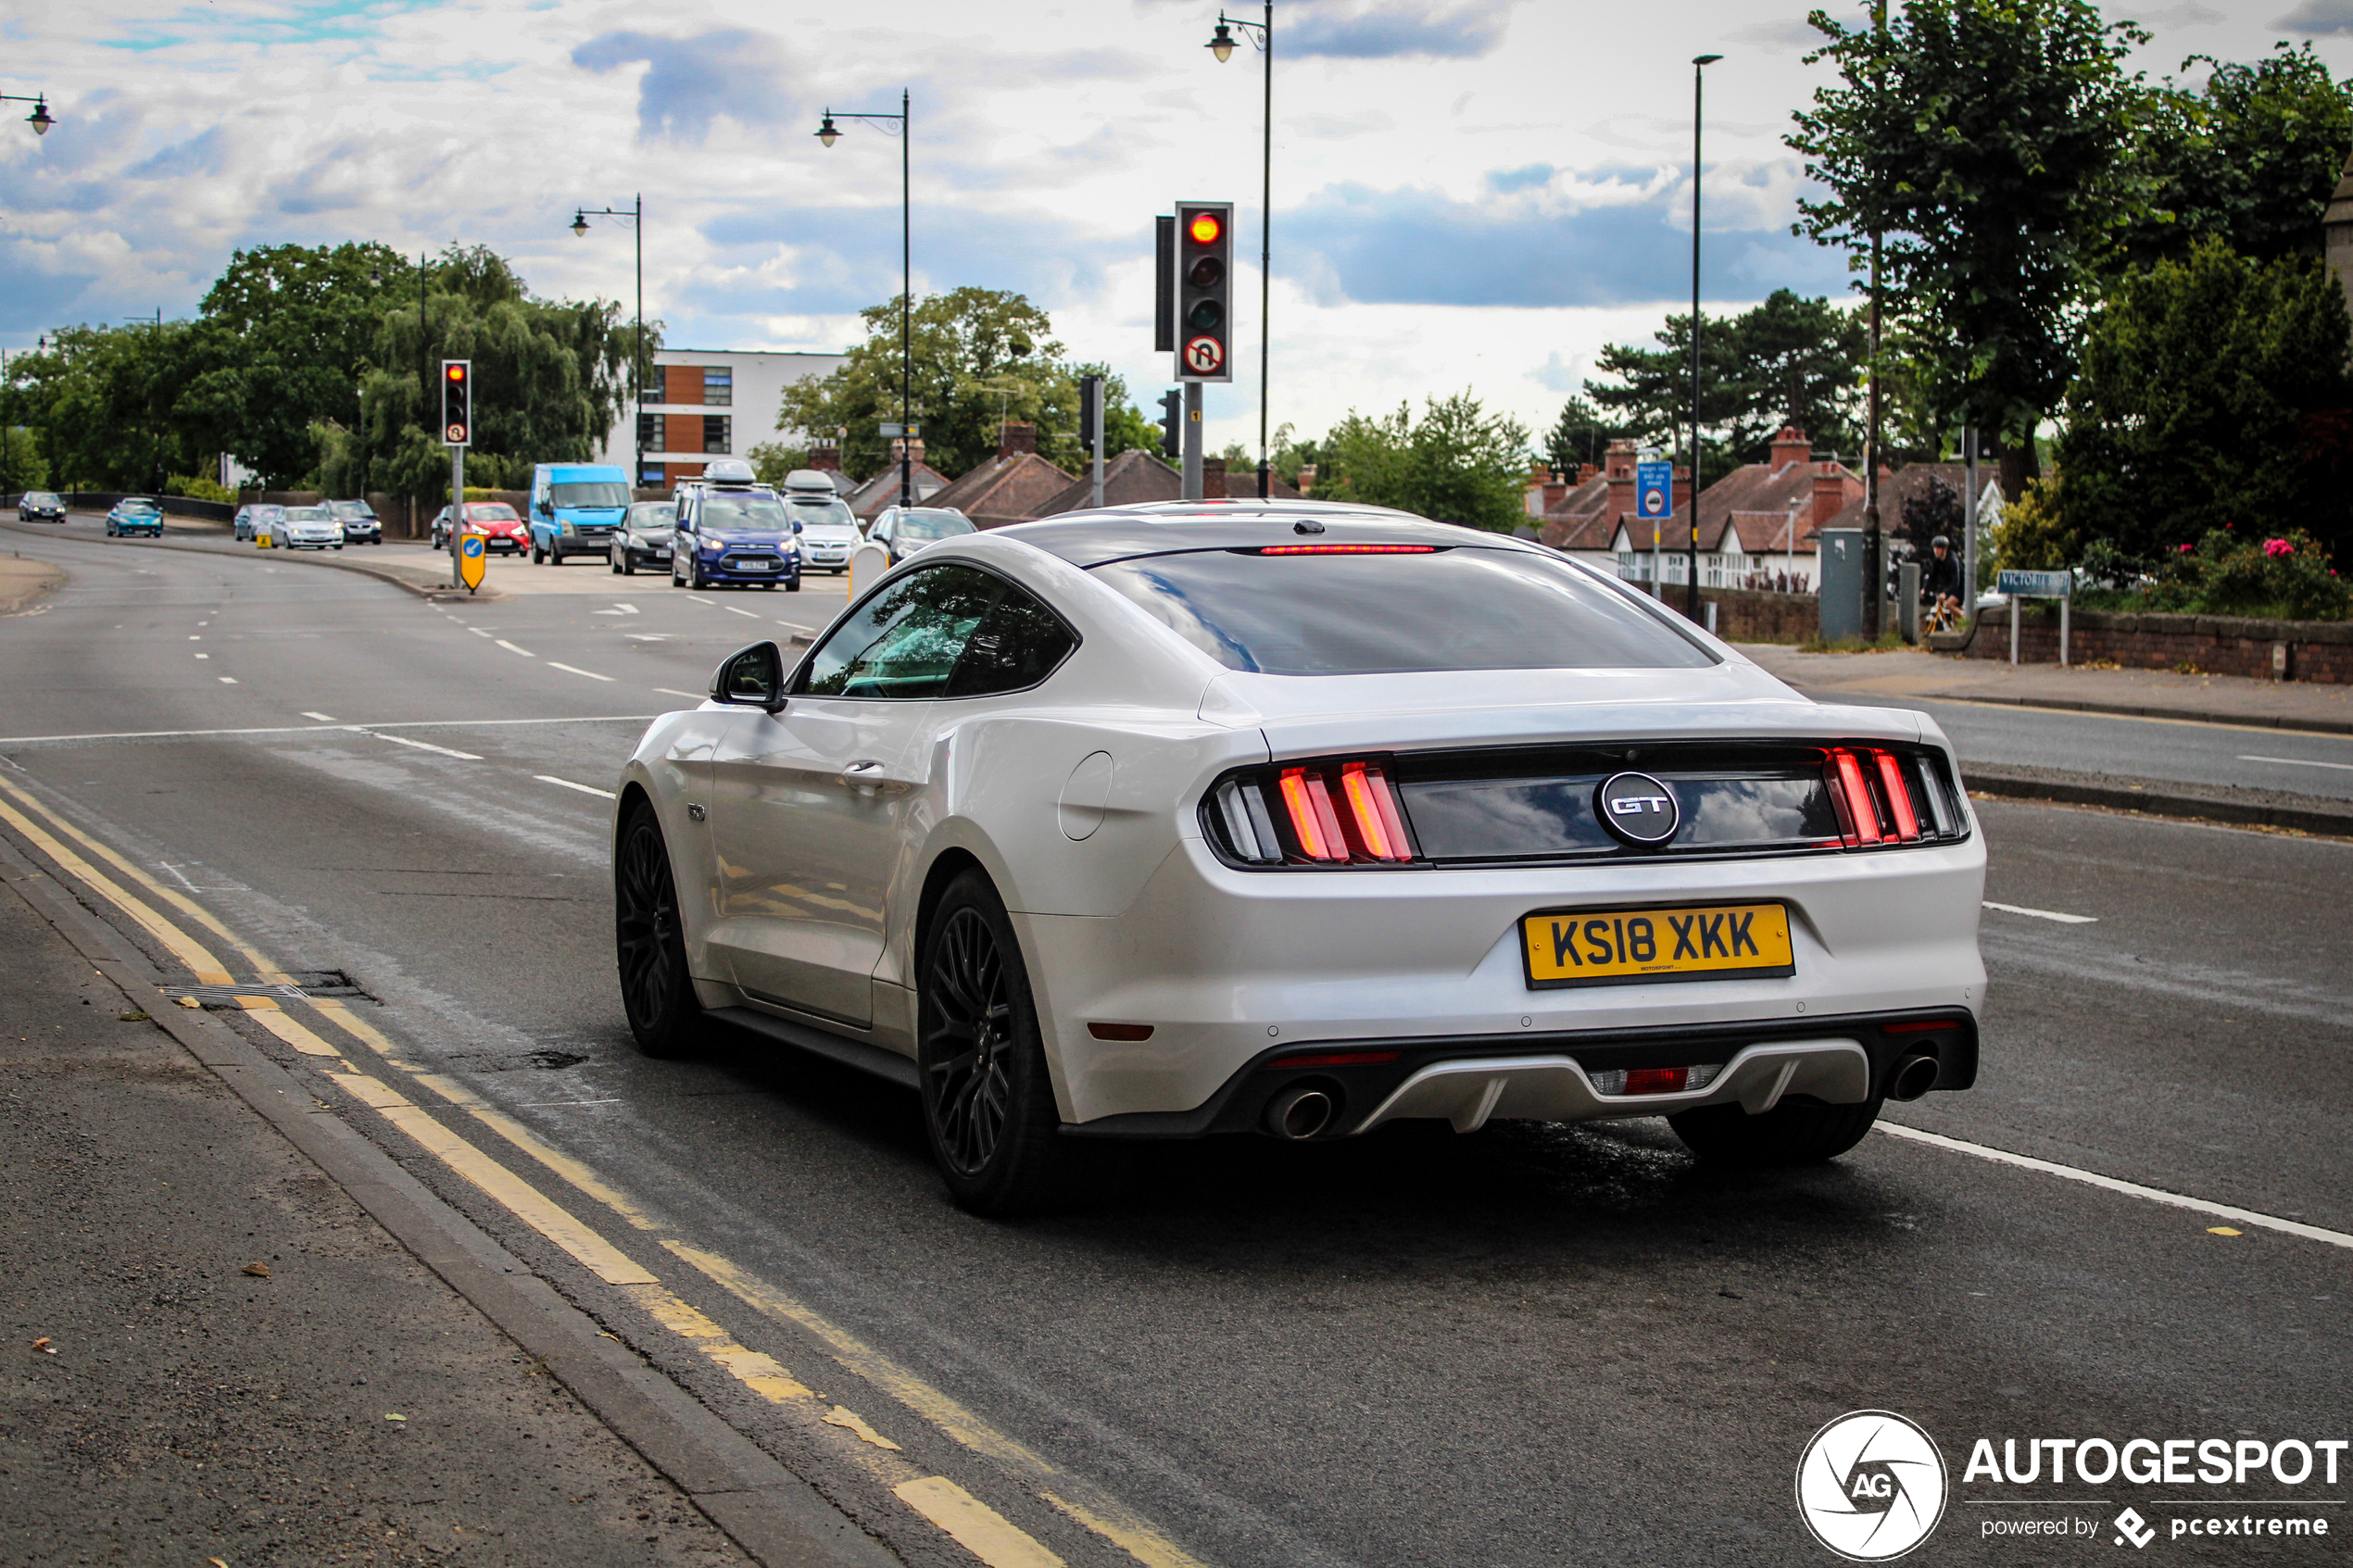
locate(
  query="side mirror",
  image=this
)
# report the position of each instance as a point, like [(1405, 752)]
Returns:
[(796, 525), (751, 677)]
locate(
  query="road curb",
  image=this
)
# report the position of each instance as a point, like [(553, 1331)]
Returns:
[(776, 1517), (2117, 709), (431, 594), (14, 601), (2320, 817)]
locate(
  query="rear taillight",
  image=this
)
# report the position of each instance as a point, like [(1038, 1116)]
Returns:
[(1877, 794), (1325, 814)]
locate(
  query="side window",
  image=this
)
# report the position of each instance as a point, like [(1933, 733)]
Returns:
[(904, 642), (1018, 643)]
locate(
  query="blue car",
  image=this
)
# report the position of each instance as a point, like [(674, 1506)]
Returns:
[(733, 532), (135, 514)]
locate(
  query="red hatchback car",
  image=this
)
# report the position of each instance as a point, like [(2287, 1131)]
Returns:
[(503, 532)]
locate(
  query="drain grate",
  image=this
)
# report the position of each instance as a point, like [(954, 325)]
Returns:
[(304, 984)]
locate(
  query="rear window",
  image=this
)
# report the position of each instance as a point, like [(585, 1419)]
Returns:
[(931, 526), (1457, 608)]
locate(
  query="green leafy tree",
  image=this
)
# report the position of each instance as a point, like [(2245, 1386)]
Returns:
[(281, 342), (107, 404), (1581, 436), (2216, 397), (1991, 144), (2251, 158), (1457, 463)]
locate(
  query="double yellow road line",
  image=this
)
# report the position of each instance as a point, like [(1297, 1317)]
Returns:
[(981, 1530)]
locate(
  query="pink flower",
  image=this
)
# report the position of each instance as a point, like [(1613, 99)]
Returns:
[(2187, 548), (2277, 548)]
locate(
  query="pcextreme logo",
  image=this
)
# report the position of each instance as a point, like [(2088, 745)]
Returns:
[(1870, 1486)]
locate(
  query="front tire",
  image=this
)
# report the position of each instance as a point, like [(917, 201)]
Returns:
[(988, 1103), (650, 942), (1787, 1135)]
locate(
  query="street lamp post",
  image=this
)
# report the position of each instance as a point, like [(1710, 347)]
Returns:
[(828, 133), (1221, 44), (40, 118), (1690, 543), (635, 214)]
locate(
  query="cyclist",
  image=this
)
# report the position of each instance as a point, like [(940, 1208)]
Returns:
[(1940, 584)]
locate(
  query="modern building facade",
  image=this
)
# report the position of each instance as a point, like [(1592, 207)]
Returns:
[(705, 402)]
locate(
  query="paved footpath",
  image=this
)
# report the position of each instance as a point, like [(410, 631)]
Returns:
[(164, 1399)]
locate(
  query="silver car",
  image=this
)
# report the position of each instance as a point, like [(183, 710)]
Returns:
[(306, 528), (828, 532), (907, 529)]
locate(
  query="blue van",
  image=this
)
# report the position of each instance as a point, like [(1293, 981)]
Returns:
[(575, 510)]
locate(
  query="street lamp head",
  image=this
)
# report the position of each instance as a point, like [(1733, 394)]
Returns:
[(1221, 44), (1706, 59), (825, 133), (580, 224), (40, 118)]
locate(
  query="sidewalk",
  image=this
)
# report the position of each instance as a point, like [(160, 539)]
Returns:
[(2147, 693), (205, 1345), (22, 582)]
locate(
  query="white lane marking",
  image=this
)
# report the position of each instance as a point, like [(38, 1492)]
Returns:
[(204, 656), (228, 680), (700, 600), (2130, 1189), (422, 745), (585, 789), (690, 696), (305, 729), (2041, 915), (732, 610), (2301, 762), (322, 718), (511, 648), (200, 639), (475, 630), (618, 608), (570, 670)]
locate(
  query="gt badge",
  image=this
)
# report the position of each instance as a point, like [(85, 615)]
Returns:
[(1638, 808)]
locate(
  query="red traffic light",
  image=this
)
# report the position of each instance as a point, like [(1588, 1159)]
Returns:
[(455, 372), (1203, 228)]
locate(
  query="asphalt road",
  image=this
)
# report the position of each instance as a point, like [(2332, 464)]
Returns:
[(1534, 1344)]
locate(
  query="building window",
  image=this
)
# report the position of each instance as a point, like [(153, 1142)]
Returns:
[(718, 387), (715, 430), (652, 430)]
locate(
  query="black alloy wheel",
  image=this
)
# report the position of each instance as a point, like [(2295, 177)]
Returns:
[(657, 993), (989, 1101)]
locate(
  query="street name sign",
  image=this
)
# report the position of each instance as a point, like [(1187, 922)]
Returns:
[(2035, 584)]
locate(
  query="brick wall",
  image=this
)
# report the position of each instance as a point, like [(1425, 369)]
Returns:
[(1746, 615), (2215, 644)]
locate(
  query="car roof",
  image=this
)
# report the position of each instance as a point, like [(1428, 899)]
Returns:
[(1095, 538)]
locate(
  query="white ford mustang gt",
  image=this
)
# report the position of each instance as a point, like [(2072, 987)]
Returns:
[(1300, 818)]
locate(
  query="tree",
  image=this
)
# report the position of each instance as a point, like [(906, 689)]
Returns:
[(109, 405), (1457, 463), (980, 357), (2215, 395), (2252, 158), (282, 341), (1991, 145), (1581, 436)]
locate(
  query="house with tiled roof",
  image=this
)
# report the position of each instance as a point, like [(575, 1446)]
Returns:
[(1758, 525), (867, 500), (1009, 487), (1138, 476), (1911, 482)]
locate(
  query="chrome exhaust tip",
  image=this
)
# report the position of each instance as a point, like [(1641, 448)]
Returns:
[(1913, 1077), (1298, 1114)]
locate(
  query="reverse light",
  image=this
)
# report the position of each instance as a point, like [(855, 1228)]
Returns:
[(1621, 1081)]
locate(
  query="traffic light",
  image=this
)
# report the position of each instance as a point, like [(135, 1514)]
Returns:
[(456, 402), (1091, 397), (1172, 424), (1204, 291)]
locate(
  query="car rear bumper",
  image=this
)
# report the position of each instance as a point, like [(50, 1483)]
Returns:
[(1228, 966)]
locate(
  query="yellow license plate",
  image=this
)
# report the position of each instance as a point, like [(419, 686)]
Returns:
[(1627, 946)]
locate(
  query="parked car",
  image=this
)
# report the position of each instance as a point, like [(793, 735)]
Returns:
[(644, 537), (908, 529), (135, 514), (40, 506), (248, 522), (1361, 818), (828, 530), (732, 531), (503, 532), (359, 523), (305, 528), (574, 510)]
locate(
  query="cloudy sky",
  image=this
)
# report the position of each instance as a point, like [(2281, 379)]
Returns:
[(1468, 193)]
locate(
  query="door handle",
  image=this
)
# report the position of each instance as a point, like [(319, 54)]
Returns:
[(863, 776)]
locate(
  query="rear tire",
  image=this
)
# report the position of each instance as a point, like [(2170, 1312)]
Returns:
[(988, 1102), (1787, 1135), (650, 942)]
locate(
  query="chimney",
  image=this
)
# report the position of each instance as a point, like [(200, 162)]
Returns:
[(1019, 436), (825, 457), (1791, 446), (1586, 473), (1555, 492), (1620, 466), (898, 443), (1618, 461), (1830, 492), (1213, 480), (1306, 478)]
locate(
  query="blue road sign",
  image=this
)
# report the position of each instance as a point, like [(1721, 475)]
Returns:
[(1653, 491)]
